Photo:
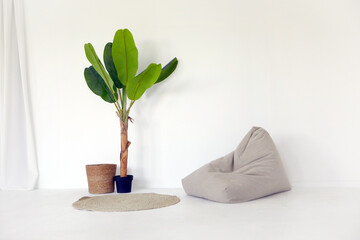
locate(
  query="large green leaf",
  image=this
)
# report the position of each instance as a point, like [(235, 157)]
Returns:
[(109, 65), (125, 55), (167, 70), (138, 85), (94, 60), (97, 84)]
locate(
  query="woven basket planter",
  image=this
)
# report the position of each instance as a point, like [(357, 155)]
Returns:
[(100, 178)]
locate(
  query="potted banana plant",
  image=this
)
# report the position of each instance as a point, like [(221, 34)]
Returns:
[(118, 83)]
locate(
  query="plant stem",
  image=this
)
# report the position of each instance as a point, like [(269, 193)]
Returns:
[(124, 114), (124, 148), (132, 102), (121, 100), (117, 107)]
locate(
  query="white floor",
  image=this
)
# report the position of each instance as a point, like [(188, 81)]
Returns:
[(303, 213)]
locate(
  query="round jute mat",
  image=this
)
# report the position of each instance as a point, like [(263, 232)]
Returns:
[(125, 202)]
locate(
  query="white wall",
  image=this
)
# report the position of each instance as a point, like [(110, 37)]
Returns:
[(292, 67)]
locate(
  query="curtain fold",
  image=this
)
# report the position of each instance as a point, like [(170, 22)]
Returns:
[(18, 163)]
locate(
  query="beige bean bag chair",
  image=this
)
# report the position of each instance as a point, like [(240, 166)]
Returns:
[(252, 171)]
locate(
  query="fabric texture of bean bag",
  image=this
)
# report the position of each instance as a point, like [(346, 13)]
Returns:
[(252, 171)]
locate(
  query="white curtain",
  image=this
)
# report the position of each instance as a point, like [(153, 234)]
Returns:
[(18, 165)]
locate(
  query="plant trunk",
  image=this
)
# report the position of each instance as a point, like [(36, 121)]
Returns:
[(124, 148)]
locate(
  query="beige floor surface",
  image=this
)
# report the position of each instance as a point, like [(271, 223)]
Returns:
[(303, 213)]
